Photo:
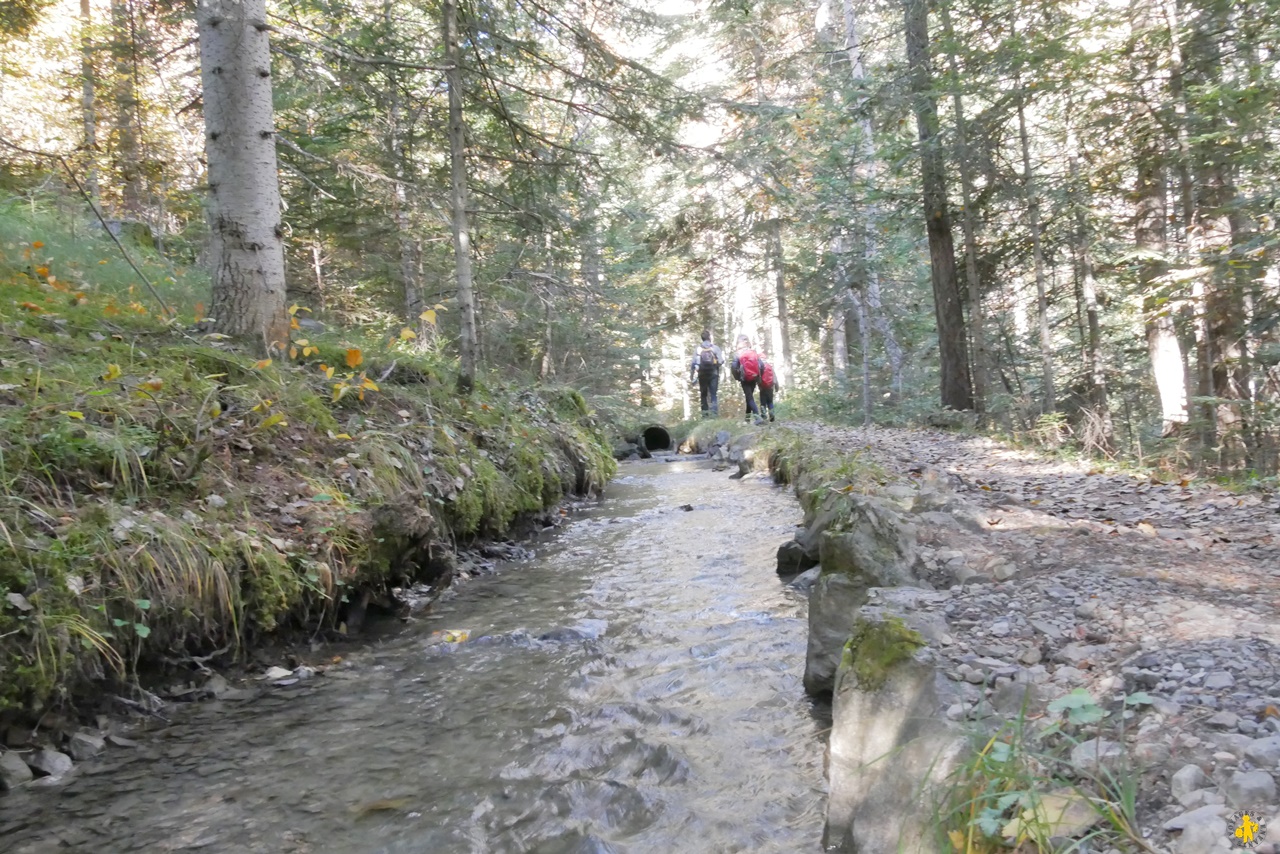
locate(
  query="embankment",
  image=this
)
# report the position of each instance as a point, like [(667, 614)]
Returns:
[(167, 497)]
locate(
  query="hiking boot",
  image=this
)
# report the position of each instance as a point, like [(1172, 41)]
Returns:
[(770, 417)]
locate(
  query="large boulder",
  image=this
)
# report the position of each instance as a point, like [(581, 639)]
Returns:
[(892, 747), (875, 547)]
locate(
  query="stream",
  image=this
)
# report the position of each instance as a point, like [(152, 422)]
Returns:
[(634, 686)]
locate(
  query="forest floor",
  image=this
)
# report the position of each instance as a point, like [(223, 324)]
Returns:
[(1072, 577)]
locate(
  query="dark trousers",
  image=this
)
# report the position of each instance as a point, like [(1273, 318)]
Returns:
[(709, 387), (766, 400), (749, 389)]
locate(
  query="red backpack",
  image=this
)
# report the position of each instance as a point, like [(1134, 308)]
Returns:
[(766, 376), (749, 361)]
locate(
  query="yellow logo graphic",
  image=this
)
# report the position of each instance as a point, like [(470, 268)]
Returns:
[(1247, 829)]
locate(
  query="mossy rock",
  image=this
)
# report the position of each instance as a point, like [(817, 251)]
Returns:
[(876, 646)]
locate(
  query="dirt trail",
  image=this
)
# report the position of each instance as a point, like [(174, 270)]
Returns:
[(1072, 578)]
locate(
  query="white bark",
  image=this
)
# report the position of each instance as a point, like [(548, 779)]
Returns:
[(866, 168), (246, 246)]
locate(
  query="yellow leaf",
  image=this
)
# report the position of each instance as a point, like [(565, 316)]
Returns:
[(354, 358), (439, 306), (429, 316), (342, 436), (293, 352), (262, 364), (407, 334), (957, 839), (309, 351), (113, 373), (154, 384), (339, 390), (293, 323), (293, 309), (273, 420), (369, 384), (328, 371), (79, 416)]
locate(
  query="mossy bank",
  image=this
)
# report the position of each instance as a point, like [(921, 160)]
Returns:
[(163, 495)]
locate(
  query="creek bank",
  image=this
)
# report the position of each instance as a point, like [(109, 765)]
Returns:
[(1157, 662), (176, 504)]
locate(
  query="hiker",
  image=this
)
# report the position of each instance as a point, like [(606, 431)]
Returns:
[(746, 370), (705, 369), (768, 385)]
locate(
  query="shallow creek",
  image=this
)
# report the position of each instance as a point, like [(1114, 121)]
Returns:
[(635, 686)]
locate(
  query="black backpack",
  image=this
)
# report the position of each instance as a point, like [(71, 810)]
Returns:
[(707, 361)]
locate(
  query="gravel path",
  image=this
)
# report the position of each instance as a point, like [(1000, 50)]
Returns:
[(1068, 578)]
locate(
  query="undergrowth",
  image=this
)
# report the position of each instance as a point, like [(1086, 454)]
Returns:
[(162, 494), (1017, 788)]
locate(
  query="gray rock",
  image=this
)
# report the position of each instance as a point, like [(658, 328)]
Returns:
[(1248, 789), (1264, 752), (215, 501), (13, 771), (1224, 720), (1218, 680), (804, 581), (1093, 756), (1186, 780), (1206, 835), (1195, 816), (872, 800), (85, 745), (1031, 656), (1004, 570), (878, 550), (51, 762)]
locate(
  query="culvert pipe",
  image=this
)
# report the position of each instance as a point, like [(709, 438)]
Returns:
[(655, 438)]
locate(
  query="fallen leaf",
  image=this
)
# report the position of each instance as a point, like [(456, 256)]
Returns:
[(354, 358)]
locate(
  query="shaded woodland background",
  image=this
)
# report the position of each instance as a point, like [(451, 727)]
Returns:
[(1060, 216)]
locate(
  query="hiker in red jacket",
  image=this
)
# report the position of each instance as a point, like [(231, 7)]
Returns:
[(746, 370), (768, 385)]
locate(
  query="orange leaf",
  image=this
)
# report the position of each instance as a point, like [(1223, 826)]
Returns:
[(262, 364), (110, 310), (42, 271), (199, 312), (293, 323), (154, 384), (30, 306), (354, 358), (293, 352), (37, 245)]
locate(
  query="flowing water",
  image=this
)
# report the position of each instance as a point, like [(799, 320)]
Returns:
[(635, 686)]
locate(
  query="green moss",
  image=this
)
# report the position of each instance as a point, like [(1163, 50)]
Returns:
[(876, 646)]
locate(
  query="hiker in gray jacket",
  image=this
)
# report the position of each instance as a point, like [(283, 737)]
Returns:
[(705, 370)]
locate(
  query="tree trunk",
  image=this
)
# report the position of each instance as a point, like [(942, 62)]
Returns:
[(245, 244), (1219, 232), (1151, 236), (1098, 399), (957, 391), (980, 358), (88, 95), (128, 155), (468, 344), (864, 344), (783, 366), (865, 172), (1042, 296)]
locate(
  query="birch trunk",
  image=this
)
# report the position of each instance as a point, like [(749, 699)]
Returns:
[(245, 245), (866, 168), (468, 343)]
